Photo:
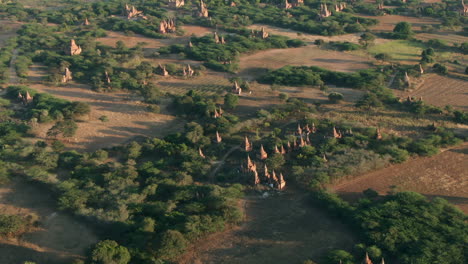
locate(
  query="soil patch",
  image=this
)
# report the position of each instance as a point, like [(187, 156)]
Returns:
[(58, 239), (279, 229), (388, 22), (444, 175), (441, 91), (127, 114), (254, 65)]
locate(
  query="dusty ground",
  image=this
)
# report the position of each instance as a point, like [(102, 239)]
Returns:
[(7, 30), (388, 22), (151, 44), (310, 38), (58, 238), (278, 229), (444, 175), (257, 63), (449, 37), (127, 115), (441, 91)]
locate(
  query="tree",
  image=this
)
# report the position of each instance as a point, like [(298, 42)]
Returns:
[(66, 127), (403, 30), (275, 161), (170, 245), (369, 101), (335, 97), (109, 252), (383, 57), (340, 256), (231, 101), (367, 39)]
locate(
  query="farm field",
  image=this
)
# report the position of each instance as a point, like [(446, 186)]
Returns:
[(280, 229), (57, 239), (256, 64), (388, 22), (441, 91), (127, 116), (443, 175)]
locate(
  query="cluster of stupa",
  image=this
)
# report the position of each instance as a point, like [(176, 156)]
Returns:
[(340, 7), (176, 3), (218, 39), (188, 71), (202, 9), (250, 169), (167, 26), (236, 89), (324, 12), (73, 49), (294, 3), (131, 12), (66, 76), (259, 34), (218, 112), (26, 98), (367, 260)]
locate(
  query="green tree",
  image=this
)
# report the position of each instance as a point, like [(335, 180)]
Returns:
[(231, 101), (383, 57), (335, 97), (109, 252), (403, 30), (367, 39), (66, 127), (171, 244), (340, 256)]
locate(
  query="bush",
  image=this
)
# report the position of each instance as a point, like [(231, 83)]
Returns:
[(109, 252), (11, 224), (403, 30), (335, 97)]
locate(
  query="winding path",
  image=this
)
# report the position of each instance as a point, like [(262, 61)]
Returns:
[(221, 162)]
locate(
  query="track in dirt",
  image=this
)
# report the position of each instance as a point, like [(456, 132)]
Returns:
[(444, 175), (280, 229), (58, 239)]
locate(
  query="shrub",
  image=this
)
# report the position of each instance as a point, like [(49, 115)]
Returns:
[(335, 97)]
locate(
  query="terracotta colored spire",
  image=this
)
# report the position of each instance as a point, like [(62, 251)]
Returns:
[(367, 260), (382, 261), (266, 173), (218, 138), (378, 135), (273, 176), (201, 153), (289, 146), (299, 129), (301, 142), (276, 149), (335, 133), (281, 182), (283, 151), (263, 154), (28, 98), (324, 158), (247, 145)]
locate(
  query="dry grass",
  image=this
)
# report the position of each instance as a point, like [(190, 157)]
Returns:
[(127, 116), (58, 238), (443, 175), (441, 91)]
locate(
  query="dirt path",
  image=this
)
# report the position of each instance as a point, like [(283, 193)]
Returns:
[(221, 162), (58, 238), (13, 77), (444, 175), (280, 229)]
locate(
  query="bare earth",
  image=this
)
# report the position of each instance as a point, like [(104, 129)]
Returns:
[(281, 229), (388, 22), (257, 63), (310, 38), (444, 175), (441, 91), (127, 115), (58, 238)]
